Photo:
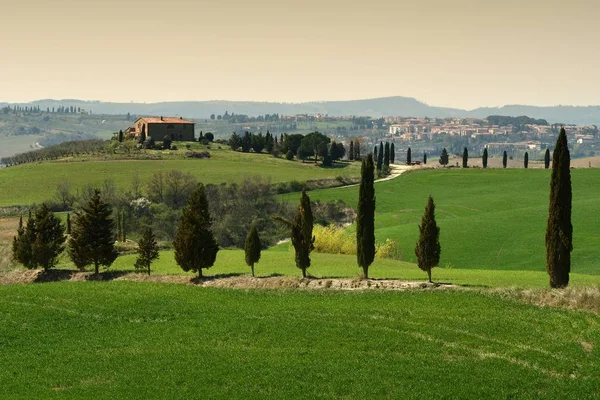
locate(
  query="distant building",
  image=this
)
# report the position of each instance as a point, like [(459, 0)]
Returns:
[(178, 129)]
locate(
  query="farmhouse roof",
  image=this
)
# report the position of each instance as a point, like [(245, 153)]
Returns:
[(165, 120)]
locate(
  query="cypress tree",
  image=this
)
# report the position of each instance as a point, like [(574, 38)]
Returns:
[(428, 247), (425, 158), (252, 247), (504, 159), (119, 227), (147, 251), (357, 150), (365, 217), (380, 157), (444, 157), (386, 154), (375, 152), (68, 223), (120, 136), (408, 156), (49, 238), (465, 159), (123, 227), (392, 153), (195, 244), (17, 240), (93, 237), (547, 159), (302, 237), (559, 231), (526, 160), (484, 158), (351, 153)]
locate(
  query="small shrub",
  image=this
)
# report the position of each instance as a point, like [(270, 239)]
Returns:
[(289, 155), (197, 154), (389, 249), (173, 147)]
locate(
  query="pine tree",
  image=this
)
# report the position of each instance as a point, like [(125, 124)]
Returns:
[(444, 157), (49, 238), (504, 159), (302, 237), (465, 158), (547, 159), (252, 247), (147, 251), (365, 217), (195, 244), (484, 158), (380, 157), (93, 234), (392, 153), (526, 160), (409, 156), (23, 243), (68, 223), (424, 158), (428, 247), (386, 154), (351, 153), (559, 231)]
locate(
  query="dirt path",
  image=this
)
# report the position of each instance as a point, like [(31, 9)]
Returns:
[(221, 281), (395, 171)]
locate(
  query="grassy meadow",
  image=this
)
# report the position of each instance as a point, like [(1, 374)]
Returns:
[(35, 183), (492, 219), (133, 340)]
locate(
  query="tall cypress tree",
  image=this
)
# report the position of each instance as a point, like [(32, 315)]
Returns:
[(504, 159), (424, 158), (351, 153), (484, 158), (357, 150), (195, 244), (559, 231), (547, 159), (392, 153), (252, 247), (68, 223), (365, 217), (408, 156), (302, 237), (380, 157), (526, 160), (428, 247), (465, 160), (93, 234), (386, 154), (375, 152)]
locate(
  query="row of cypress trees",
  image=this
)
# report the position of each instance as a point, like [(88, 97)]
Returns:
[(484, 158)]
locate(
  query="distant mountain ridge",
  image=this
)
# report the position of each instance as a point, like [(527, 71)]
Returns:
[(377, 107)]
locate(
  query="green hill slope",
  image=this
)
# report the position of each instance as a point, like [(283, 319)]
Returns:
[(489, 219)]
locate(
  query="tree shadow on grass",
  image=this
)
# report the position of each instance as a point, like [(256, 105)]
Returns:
[(54, 275), (106, 276), (197, 280)]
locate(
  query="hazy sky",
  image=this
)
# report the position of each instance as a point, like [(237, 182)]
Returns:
[(460, 53)]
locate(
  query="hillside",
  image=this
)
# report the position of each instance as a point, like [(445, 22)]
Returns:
[(378, 107), (491, 219)]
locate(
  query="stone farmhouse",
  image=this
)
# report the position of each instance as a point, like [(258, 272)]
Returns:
[(178, 129)]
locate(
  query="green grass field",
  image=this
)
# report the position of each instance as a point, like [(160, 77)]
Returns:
[(489, 219), (134, 340), (36, 183)]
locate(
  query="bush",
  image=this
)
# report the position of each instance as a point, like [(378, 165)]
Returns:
[(289, 155), (333, 240), (205, 142), (389, 249), (173, 147), (197, 154)]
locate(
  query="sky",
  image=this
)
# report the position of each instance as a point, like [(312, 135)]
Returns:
[(455, 53)]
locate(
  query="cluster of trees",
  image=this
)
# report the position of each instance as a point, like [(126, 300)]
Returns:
[(36, 109), (484, 158), (502, 120), (91, 146), (241, 118), (354, 150), (314, 144), (385, 154)]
